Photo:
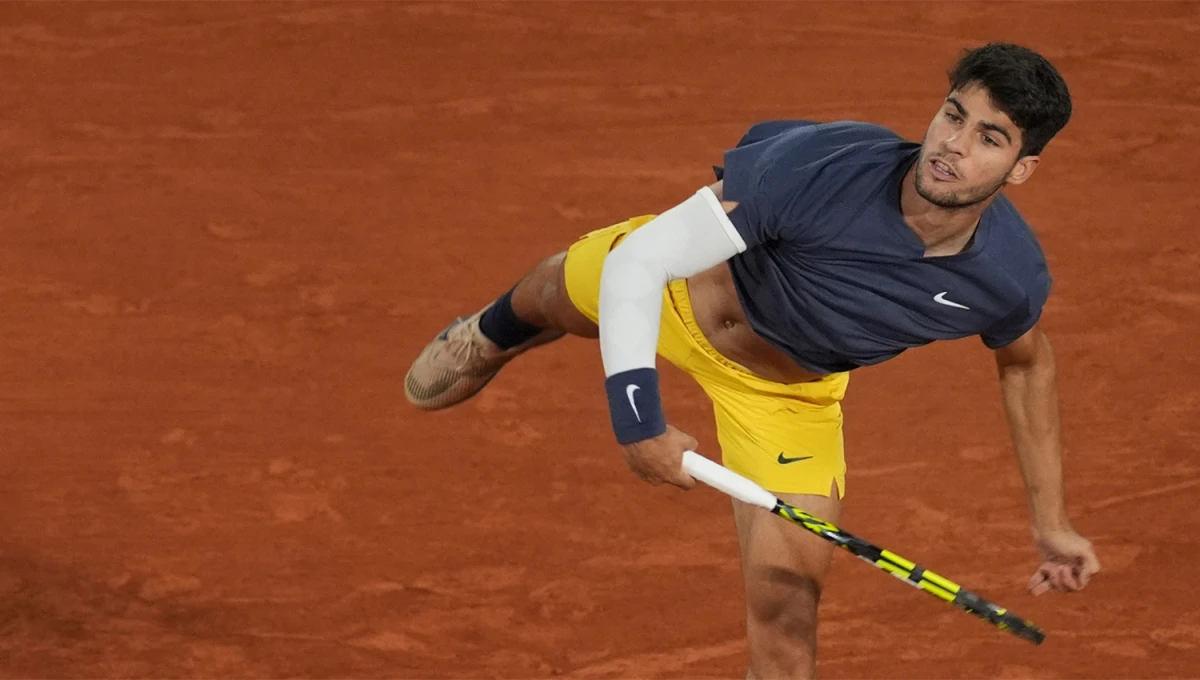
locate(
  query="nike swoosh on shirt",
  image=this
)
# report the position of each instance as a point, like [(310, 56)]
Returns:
[(629, 393), (940, 298), (784, 460)]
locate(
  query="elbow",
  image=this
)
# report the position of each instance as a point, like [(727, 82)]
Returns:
[(1029, 354), (1036, 363), (1043, 354), (627, 273)]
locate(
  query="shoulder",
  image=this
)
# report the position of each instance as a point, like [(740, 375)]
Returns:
[(791, 152), (1015, 240), (1016, 253), (1014, 245), (827, 141)]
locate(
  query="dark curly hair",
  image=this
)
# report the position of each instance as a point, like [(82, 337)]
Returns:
[(1023, 84)]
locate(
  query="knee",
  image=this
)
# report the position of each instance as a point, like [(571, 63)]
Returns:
[(541, 299), (552, 294), (785, 601), (782, 625)]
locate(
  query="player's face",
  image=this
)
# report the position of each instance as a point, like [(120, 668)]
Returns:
[(971, 150)]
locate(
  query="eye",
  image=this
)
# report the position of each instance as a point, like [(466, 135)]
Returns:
[(989, 141), (954, 117)]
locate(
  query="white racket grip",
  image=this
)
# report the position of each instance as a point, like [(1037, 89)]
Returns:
[(723, 479)]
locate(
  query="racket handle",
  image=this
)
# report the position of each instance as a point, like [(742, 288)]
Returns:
[(723, 479)]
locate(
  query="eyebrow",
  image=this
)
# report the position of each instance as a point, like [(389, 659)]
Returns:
[(983, 124)]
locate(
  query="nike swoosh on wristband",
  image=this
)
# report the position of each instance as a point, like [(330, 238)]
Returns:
[(629, 393)]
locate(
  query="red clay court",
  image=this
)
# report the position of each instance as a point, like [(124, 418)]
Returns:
[(229, 227)]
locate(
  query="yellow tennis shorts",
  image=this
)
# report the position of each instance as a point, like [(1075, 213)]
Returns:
[(786, 437)]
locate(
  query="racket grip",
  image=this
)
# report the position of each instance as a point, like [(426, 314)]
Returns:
[(723, 479)]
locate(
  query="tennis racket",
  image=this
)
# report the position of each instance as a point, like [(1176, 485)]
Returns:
[(723, 479)]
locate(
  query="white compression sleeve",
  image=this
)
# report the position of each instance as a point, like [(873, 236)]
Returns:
[(681, 242)]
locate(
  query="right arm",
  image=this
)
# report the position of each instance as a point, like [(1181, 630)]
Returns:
[(690, 238)]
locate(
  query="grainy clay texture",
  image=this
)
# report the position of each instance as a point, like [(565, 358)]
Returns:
[(228, 228)]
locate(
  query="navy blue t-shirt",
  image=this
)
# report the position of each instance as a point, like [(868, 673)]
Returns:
[(832, 274)]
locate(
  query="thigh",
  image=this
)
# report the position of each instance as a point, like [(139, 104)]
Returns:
[(563, 291), (541, 299), (779, 556), (784, 569)]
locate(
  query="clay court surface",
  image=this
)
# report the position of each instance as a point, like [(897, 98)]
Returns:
[(228, 228)]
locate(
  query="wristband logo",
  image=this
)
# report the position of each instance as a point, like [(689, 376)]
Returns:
[(629, 393)]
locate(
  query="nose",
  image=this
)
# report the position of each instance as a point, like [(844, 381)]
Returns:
[(956, 143)]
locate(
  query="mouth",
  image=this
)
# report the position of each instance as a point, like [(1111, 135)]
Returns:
[(942, 171)]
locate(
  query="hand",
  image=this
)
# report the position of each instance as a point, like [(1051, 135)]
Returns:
[(1069, 562), (660, 459)]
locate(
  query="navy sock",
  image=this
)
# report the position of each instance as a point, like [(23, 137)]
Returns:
[(502, 326)]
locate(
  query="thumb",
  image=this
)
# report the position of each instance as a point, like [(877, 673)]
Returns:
[(682, 479), (1091, 563)]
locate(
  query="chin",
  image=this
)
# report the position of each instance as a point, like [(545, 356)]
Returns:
[(942, 199), (950, 198)]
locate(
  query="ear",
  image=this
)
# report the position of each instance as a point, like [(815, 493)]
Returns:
[(1023, 169)]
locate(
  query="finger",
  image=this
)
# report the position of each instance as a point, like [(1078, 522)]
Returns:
[(682, 480), (1070, 578), (685, 482), (1040, 583), (1081, 578), (1054, 577), (637, 472), (1091, 563), (1041, 590), (1039, 576), (1067, 578), (645, 473), (1059, 576), (650, 479)]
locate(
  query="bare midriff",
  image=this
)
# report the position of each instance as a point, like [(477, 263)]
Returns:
[(721, 319)]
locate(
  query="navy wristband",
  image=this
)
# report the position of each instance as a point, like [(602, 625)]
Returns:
[(634, 405)]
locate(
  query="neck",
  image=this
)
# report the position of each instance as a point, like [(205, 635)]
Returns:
[(942, 230)]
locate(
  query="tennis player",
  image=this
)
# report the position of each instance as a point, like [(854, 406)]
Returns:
[(820, 249)]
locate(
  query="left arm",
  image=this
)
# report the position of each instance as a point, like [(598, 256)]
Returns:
[(1028, 386)]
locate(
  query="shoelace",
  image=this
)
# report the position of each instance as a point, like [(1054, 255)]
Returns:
[(461, 344)]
